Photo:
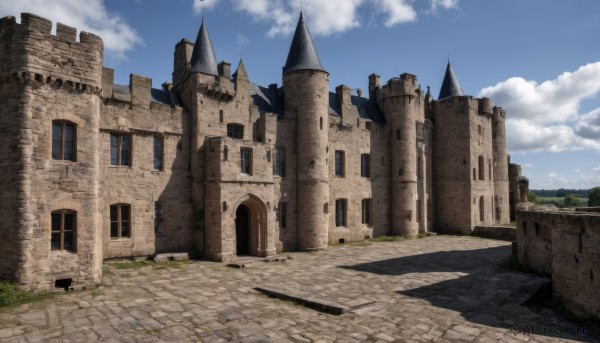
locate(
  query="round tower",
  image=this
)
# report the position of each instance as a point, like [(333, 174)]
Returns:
[(403, 105), (500, 167), (306, 90)]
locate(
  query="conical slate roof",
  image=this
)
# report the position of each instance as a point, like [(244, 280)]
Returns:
[(302, 55), (203, 56), (450, 86)]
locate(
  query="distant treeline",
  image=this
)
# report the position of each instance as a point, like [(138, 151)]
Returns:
[(561, 193)]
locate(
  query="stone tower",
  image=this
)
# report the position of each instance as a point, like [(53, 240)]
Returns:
[(306, 89), (500, 167), (50, 90), (403, 105), (470, 165)]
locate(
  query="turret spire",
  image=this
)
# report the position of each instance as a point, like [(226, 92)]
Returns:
[(204, 59), (450, 86), (302, 55), (240, 73)]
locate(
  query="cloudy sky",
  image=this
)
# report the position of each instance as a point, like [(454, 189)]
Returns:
[(538, 59)]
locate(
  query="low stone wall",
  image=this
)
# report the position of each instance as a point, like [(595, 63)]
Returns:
[(565, 245), (503, 233), (588, 209)]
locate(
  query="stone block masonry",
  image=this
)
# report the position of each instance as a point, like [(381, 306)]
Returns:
[(565, 246), (218, 167)]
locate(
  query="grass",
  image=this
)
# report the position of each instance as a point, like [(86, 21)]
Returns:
[(11, 295), (560, 200)]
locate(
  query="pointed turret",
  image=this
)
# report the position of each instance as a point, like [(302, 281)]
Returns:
[(240, 73), (203, 56), (450, 86), (302, 55)]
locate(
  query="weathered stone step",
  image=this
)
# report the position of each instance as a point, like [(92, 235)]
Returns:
[(178, 256), (309, 299)]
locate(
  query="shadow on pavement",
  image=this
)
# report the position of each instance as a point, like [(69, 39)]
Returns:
[(478, 290)]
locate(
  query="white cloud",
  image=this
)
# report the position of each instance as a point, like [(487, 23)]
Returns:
[(446, 4), (545, 116), (326, 17), (397, 11), (204, 4), (551, 101), (589, 125), (90, 15)]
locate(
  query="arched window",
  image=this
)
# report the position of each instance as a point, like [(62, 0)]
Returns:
[(64, 136), (63, 230)]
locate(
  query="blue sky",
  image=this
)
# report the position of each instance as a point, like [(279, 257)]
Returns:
[(538, 59)]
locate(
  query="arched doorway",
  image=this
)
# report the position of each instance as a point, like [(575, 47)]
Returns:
[(251, 234), (242, 230)]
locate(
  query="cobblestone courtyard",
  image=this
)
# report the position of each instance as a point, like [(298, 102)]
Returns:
[(433, 289)]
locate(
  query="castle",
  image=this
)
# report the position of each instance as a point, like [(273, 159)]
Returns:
[(212, 163)]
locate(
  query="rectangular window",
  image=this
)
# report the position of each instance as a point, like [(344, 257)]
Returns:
[(282, 215), (158, 217), (235, 131), (279, 166), (158, 153), (397, 134), (63, 141), (246, 160), (481, 170), (339, 163), (366, 211), (120, 149), (62, 236), (120, 221), (220, 116), (340, 212), (365, 165)]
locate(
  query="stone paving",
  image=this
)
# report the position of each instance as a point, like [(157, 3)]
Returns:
[(441, 289)]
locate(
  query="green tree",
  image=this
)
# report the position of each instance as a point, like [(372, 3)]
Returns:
[(561, 193), (571, 201), (532, 197), (594, 197)]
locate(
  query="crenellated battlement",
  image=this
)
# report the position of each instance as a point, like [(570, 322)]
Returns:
[(32, 52), (404, 85)]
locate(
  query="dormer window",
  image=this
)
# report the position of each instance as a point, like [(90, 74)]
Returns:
[(235, 131)]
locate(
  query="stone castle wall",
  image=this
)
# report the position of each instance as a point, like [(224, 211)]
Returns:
[(564, 245), (58, 80), (472, 164), (420, 154), (140, 185)]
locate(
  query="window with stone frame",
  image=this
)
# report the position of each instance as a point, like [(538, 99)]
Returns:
[(246, 160), (63, 230), (64, 134), (366, 211), (279, 162), (339, 163), (158, 160), (120, 221), (365, 165), (120, 149), (481, 168), (340, 212), (159, 217), (235, 131)]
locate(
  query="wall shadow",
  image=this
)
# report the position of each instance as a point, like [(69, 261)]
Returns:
[(479, 290)]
